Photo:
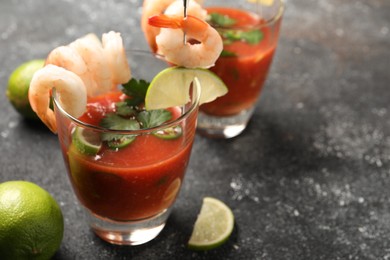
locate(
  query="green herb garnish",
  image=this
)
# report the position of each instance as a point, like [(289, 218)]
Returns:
[(124, 109), (217, 19), (136, 89), (116, 122), (251, 37), (153, 118), (130, 115), (226, 53), (232, 35)]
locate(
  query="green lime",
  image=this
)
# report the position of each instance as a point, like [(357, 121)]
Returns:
[(171, 87), (86, 141), (213, 226), (31, 225), (18, 85)]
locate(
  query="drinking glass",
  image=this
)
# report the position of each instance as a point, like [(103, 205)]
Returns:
[(250, 31), (128, 193)]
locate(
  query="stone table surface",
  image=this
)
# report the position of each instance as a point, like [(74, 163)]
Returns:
[(308, 179)]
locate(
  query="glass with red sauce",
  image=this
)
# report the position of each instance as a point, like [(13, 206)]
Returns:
[(250, 31), (127, 180)]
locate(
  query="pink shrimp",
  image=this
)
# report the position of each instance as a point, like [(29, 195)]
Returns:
[(101, 65), (116, 58), (85, 67), (70, 89), (68, 58), (90, 49), (201, 54), (172, 7)]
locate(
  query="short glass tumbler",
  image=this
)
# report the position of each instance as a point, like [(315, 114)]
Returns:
[(250, 31), (128, 193)]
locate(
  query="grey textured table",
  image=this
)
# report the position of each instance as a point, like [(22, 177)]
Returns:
[(309, 178)]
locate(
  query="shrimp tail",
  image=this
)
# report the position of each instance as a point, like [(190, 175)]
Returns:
[(49, 120), (195, 27), (166, 21), (189, 24)]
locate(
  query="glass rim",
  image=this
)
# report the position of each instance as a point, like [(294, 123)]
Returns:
[(278, 15), (194, 104)]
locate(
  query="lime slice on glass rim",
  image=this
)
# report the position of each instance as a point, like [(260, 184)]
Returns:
[(86, 141), (171, 87), (213, 226)]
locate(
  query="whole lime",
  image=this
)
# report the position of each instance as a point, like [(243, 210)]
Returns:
[(18, 85), (31, 222)]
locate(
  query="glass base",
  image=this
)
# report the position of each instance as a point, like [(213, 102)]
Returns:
[(128, 232), (223, 127)]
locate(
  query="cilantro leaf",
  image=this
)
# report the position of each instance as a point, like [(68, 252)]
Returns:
[(134, 101), (129, 115), (136, 89), (116, 122), (221, 20), (232, 35), (251, 37), (153, 118), (123, 109)]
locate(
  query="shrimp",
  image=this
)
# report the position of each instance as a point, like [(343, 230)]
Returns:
[(201, 54), (90, 49), (100, 65), (70, 88), (157, 7), (150, 8), (116, 57), (85, 67), (68, 58), (193, 8)]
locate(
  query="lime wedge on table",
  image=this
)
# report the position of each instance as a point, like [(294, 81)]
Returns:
[(86, 141), (213, 226), (171, 87)]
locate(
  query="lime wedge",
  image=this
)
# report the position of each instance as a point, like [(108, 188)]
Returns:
[(171, 87), (213, 226), (86, 141)]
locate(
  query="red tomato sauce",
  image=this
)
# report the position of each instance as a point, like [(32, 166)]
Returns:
[(134, 182), (245, 73)]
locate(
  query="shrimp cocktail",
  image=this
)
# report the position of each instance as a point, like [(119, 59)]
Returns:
[(126, 126), (249, 29)]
